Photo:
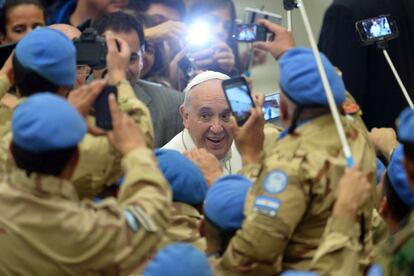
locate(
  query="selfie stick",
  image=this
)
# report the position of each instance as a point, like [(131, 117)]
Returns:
[(289, 5), (397, 77), (327, 87)]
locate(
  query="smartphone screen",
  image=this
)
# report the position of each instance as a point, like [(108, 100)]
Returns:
[(271, 108), (101, 106), (238, 96), (250, 33), (377, 28)]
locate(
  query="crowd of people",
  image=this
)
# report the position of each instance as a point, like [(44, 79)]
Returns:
[(175, 186)]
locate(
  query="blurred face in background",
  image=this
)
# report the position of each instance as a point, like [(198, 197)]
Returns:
[(21, 20), (222, 22), (161, 13), (107, 6)]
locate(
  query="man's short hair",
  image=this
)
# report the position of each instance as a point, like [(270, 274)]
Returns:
[(177, 5), (29, 82), (409, 151), (399, 210), (48, 163), (119, 22)]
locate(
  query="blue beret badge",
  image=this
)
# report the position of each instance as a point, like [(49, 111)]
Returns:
[(266, 205), (275, 182)]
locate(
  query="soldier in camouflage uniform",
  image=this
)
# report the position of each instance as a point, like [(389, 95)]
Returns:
[(189, 189), (395, 256), (100, 163), (223, 212), (288, 206), (46, 229)]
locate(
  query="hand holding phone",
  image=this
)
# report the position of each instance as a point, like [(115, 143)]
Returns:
[(101, 106), (271, 109), (239, 98)]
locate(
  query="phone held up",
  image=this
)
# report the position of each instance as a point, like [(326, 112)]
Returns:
[(271, 108), (101, 106), (238, 97), (376, 29), (250, 33)]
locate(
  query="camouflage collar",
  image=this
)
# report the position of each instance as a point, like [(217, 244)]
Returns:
[(43, 185)]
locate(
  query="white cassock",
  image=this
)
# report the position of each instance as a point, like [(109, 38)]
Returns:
[(230, 164)]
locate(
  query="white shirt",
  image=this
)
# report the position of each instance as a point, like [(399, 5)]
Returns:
[(230, 164)]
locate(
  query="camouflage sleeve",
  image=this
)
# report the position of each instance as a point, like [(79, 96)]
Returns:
[(120, 236), (130, 104), (338, 253), (4, 85), (100, 163), (278, 204)]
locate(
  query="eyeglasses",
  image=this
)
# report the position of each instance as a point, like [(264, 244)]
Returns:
[(83, 70), (137, 56)]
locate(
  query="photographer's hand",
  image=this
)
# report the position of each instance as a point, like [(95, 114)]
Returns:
[(220, 53), (249, 138), (83, 97), (280, 41), (117, 60), (126, 135)]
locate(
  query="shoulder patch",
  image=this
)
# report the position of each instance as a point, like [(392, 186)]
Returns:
[(266, 205), (131, 220), (275, 182)]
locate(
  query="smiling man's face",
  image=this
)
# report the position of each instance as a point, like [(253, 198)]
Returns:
[(207, 118)]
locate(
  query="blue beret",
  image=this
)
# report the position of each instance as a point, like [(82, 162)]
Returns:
[(301, 82), (224, 202), (179, 259), (398, 177), (186, 179), (406, 129), (380, 170), (46, 122), (49, 53)]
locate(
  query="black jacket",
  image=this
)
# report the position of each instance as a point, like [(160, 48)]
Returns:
[(366, 74)]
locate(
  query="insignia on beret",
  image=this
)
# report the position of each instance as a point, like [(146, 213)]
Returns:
[(275, 182), (131, 220), (266, 205)]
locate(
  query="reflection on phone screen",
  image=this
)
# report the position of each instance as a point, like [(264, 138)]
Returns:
[(271, 107), (240, 101)]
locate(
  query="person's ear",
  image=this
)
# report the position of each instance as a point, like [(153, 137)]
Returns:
[(409, 168), (184, 115), (383, 207), (202, 228)]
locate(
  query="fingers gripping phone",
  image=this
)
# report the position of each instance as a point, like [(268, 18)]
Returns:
[(101, 106), (239, 98), (271, 109), (375, 29)]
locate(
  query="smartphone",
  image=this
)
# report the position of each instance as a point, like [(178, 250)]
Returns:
[(251, 15), (5, 51), (271, 108), (250, 33), (101, 106), (378, 28), (238, 97)]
